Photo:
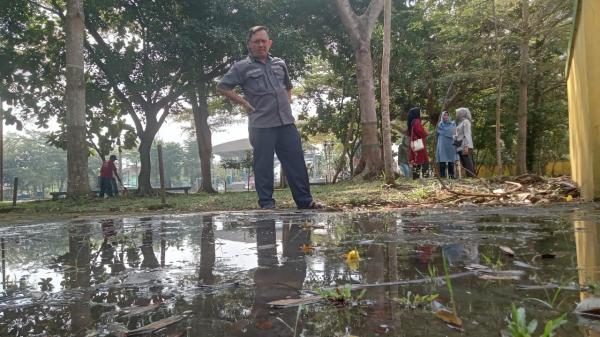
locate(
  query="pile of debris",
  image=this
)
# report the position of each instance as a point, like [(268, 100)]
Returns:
[(527, 188)]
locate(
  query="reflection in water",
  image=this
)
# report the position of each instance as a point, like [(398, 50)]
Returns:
[(587, 240), (149, 258), (209, 273), (79, 277), (207, 252), (274, 280), (3, 263)]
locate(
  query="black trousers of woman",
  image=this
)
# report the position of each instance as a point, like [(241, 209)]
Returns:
[(466, 160), (422, 168), (443, 166)]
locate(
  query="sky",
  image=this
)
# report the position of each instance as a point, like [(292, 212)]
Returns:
[(171, 131)]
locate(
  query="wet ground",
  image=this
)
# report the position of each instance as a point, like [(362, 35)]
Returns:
[(214, 275)]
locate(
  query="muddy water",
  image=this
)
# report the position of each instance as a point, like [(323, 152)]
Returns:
[(215, 274)]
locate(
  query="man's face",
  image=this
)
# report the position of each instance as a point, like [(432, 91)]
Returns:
[(260, 44)]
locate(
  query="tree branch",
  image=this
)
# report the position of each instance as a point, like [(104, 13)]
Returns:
[(371, 15), (349, 19)]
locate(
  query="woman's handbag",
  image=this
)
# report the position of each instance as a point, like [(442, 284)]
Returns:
[(457, 143), (417, 145)]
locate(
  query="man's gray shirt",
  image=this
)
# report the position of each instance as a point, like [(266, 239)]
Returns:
[(265, 87)]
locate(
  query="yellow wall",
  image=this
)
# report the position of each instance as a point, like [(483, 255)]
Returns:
[(554, 169), (583, 87)]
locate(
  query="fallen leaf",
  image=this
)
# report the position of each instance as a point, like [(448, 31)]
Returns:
[(308, 226), (449, 317), (507, 250), (136, 311), (307, 249), (524, 265), (146, 329), (548, 256), (264, 325), (476, 266), (569, 198), (353, 255), (292, 302), (501, 275), (353, 264)]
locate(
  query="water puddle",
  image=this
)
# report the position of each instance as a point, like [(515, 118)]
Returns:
[(386, 274)]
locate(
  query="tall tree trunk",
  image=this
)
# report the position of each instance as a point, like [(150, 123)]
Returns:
[(523, 85), (499, 93), (144, 184), (360, 29), (203, 136), (388, 159), (77, 148)]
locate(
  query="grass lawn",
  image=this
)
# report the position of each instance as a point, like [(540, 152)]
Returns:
[(344, 195)]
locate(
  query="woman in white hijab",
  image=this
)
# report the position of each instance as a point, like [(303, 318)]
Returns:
[(464, 140)]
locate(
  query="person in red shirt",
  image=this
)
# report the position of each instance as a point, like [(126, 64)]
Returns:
[(106, 176), (415, 130)]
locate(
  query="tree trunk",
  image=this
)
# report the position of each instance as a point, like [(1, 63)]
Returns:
[(144, 184), (360, 29), (523, 86), (366, 95), (388, 159), (77, 148), (203, 136), (499, 93)]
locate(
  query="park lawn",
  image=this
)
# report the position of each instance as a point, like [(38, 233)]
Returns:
[(341, 196)]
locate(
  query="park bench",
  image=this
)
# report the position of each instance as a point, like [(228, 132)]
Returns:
[(57, 195), (185, 189)]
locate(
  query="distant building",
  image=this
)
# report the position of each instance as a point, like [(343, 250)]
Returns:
[(238, 149), (583, 85)]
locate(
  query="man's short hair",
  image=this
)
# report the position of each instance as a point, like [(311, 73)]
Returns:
[(255, 30)]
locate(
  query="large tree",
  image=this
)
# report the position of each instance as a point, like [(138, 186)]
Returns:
[(360, 29), (77, 149), (131, 50)]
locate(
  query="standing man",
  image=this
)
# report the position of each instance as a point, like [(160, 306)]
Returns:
[(106, 176), (267, 90)]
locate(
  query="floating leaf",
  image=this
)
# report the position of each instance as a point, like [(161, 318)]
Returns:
[(502, 275), (507, 250), (352, 259), (449, 317), (293, 302), (589, 306), (569, 198), (476, 266), (264, 325), (524, 265), (146, 329), (352, 255), (307, 249)]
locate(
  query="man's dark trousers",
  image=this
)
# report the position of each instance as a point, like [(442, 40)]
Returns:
[(106, 187), (285, 142)]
